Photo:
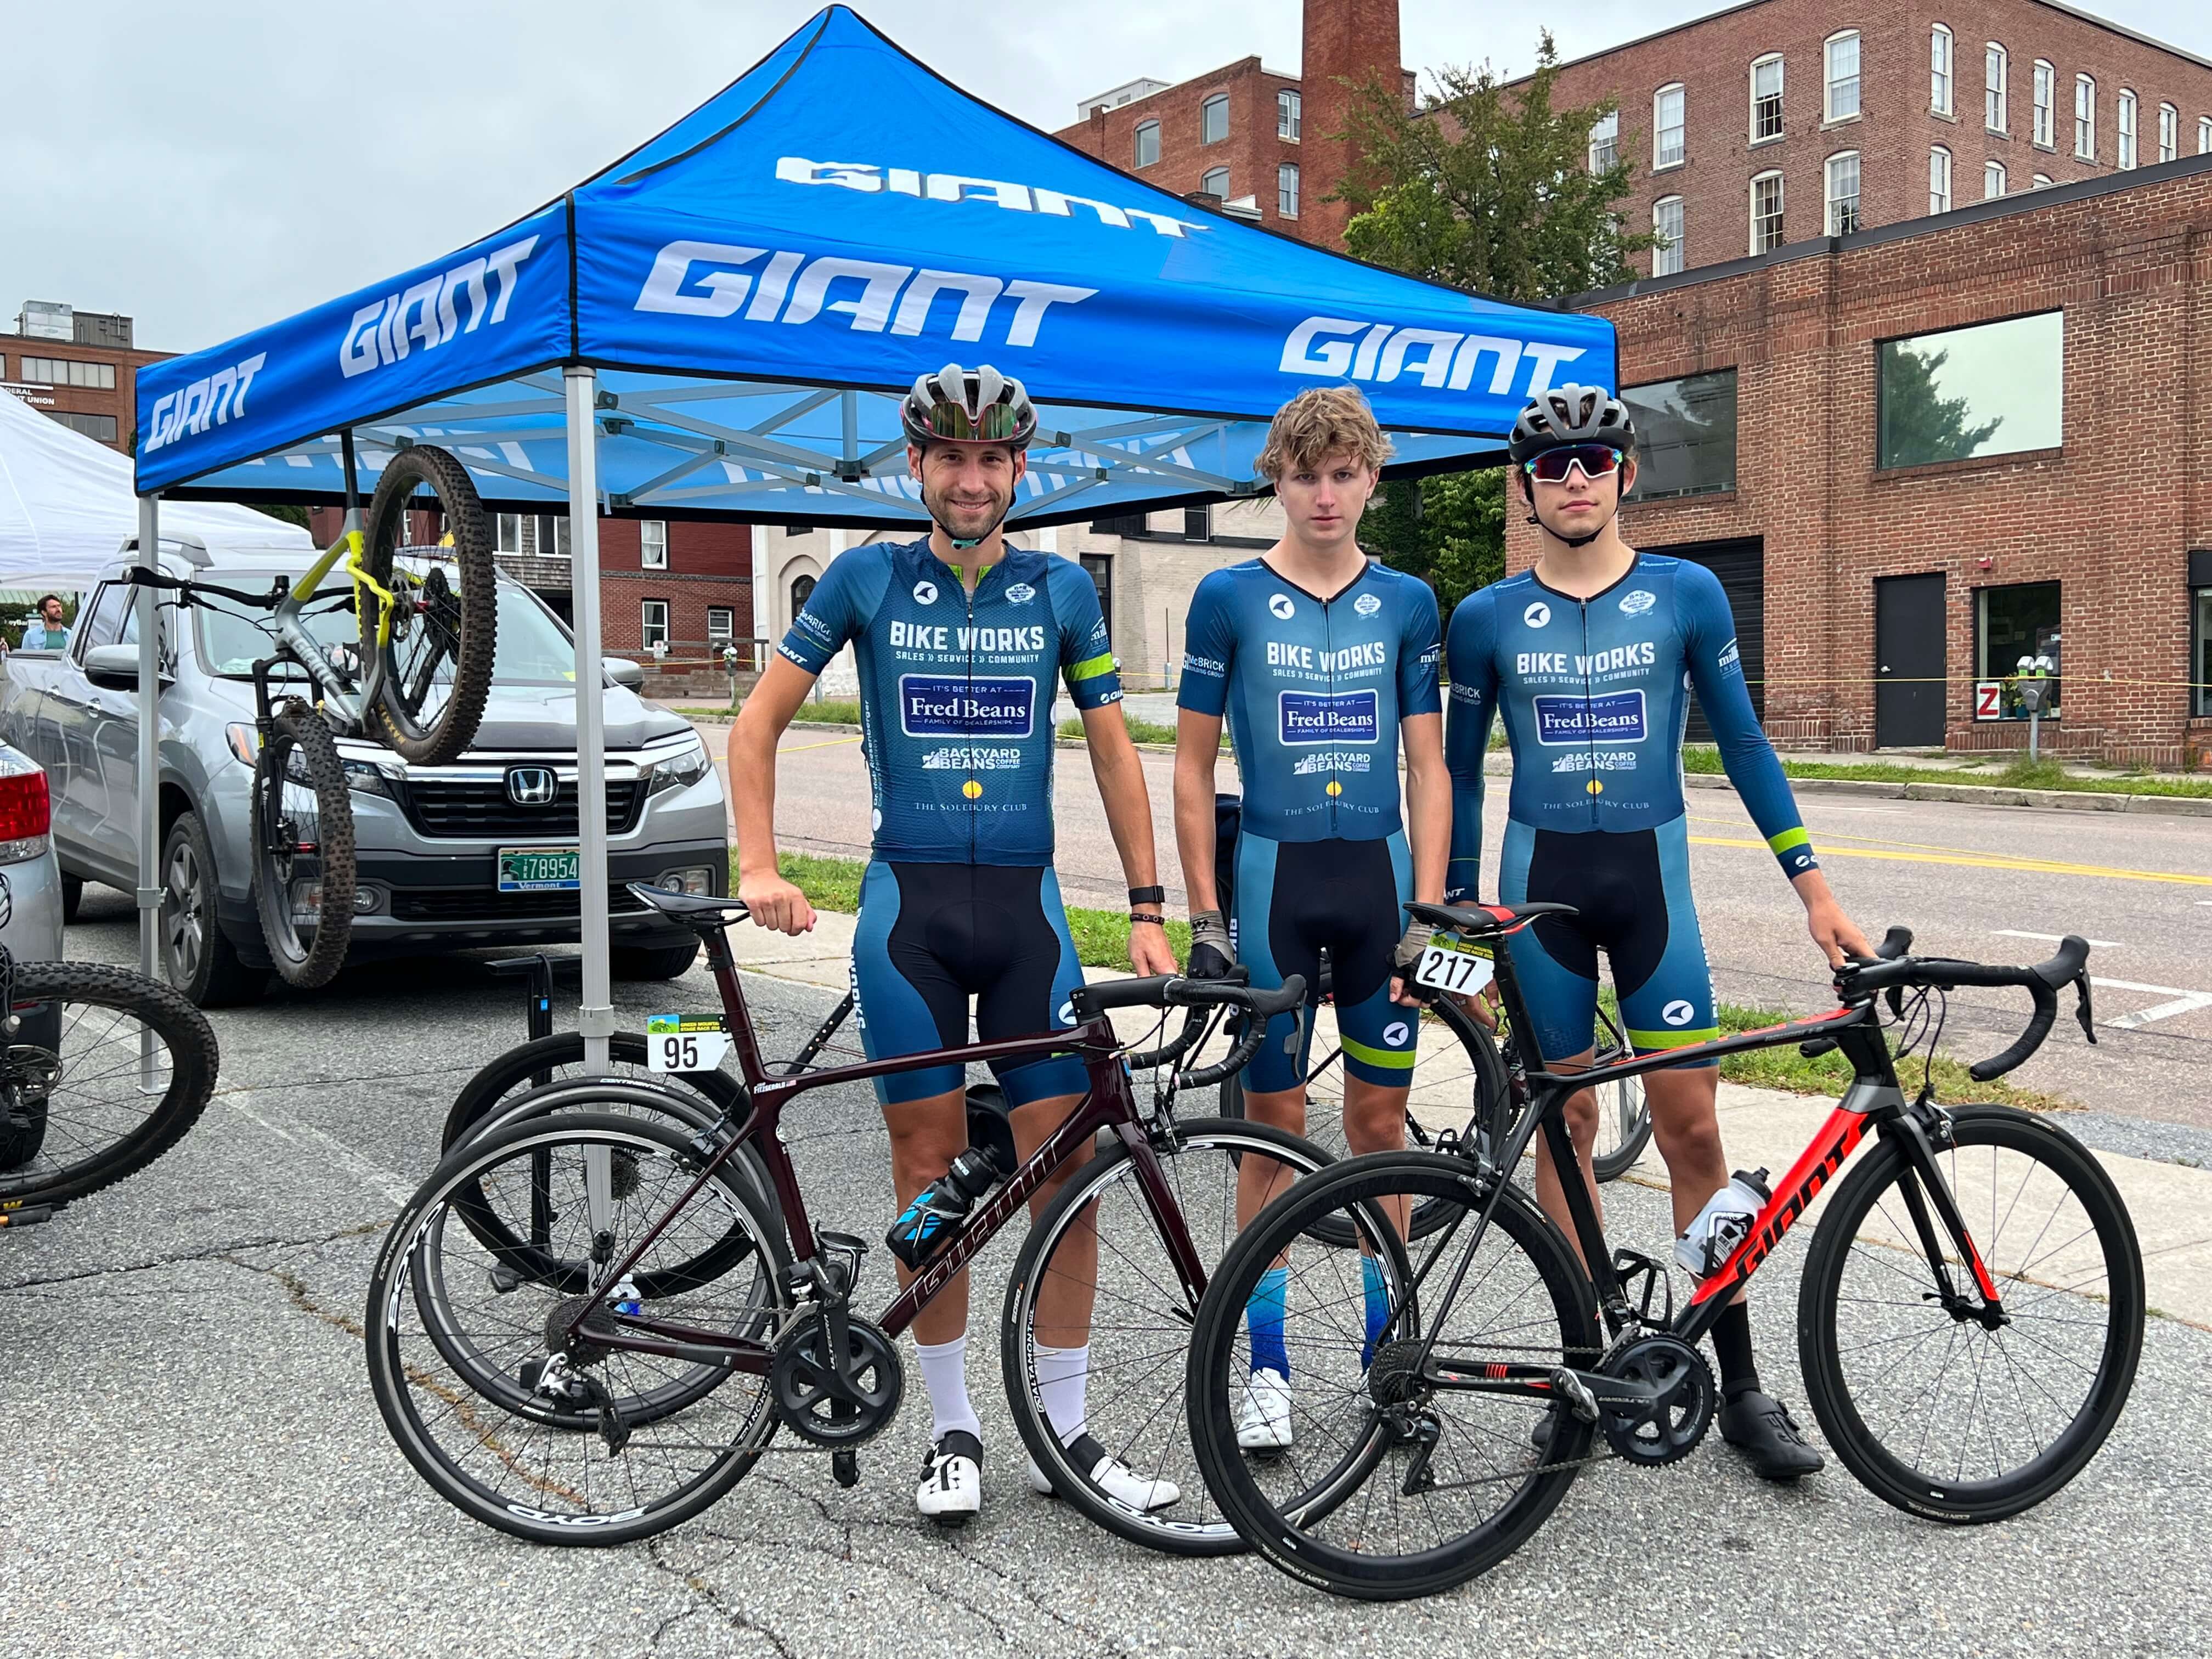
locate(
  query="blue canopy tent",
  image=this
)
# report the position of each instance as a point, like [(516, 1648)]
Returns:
[(720, 323)]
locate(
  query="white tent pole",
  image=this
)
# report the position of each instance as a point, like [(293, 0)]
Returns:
[(595, 1019), (149, 741)]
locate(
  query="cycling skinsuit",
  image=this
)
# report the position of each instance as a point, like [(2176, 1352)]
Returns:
[(1595, 693), (958, 899), (1314, 690)]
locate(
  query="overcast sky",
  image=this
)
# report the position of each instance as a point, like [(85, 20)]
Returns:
[(210, 167)]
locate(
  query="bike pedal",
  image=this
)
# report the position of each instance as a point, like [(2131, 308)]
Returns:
[(846, 1466), (504, 1281)]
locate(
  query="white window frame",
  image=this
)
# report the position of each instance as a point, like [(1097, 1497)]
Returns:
[(2040, 181), (1666, 258), (1996, 87), (1939, 179), (1830, 82), (2204, 135), (2129, 121), (1942, 61), (1137, 156), (2044, 130), (1831, 220), (1773, 59), (1773, 175), (645, 624), (507, 532), (1994, 173), (1286, 190), (651, 538), (1218, 101), (1680, 129), (1289, 114), (1604, 150), (1206, 185), (2169, 132), (728, 630), (2085, 117)]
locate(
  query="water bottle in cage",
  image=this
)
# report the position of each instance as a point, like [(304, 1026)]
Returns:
[(1723, 1224), (937, 1210)]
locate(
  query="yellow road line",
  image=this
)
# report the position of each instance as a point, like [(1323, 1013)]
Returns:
[(827, 743), (2040, 866)]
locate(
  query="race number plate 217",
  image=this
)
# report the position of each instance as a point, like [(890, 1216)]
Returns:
[(685, 1042), (1454, 968)]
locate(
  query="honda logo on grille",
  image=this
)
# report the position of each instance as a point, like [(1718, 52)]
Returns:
[(531, 786)]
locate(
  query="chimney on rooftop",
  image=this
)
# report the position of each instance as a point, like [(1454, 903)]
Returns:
[(1344, 40)]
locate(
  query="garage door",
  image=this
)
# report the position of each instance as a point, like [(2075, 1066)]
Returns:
[(1741, 566)]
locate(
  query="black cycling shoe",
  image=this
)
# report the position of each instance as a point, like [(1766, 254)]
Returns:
[(1761, 1427)]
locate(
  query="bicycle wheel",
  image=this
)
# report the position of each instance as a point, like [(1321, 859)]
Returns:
[(114, 1068), (459, 1344), (303, 849), (436, 653), (559, 1058), (1096, 1262), (1426, 1488), (1623, 1116), (1935, 1411)]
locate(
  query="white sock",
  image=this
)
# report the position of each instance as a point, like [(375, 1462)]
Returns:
[(945, 1374), (1062, 1375)]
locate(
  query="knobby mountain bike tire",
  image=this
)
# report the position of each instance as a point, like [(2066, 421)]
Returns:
[(436, 657), (1926, 1407), (303, 848), (108, 1103), (1142, 1320)]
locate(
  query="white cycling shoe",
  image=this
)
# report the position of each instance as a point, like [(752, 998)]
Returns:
[(1112, 1476), (951, 1489), (1264, 1426)]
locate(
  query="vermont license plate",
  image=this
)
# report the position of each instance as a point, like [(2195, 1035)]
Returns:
[(1455, 966), (540, 869)]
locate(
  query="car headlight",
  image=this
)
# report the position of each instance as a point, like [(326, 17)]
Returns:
[(368, 777), (678, 768)]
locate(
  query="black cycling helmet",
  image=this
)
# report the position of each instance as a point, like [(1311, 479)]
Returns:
[(957, 405), (1572, 415)]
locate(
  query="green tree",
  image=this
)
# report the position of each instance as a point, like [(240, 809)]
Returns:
[(1919, 422)]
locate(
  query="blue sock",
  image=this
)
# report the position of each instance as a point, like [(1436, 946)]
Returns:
[(1378, 1306), (1263, 1317)]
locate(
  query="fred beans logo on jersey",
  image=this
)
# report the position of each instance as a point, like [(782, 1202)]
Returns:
[(939, 706), (1306, 717), (1617, 717), (1537, 615), (1638, 601), (1367, 605)]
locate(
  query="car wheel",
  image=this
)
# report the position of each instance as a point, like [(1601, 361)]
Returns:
[(197, 955), (666, 962), (72, 895)]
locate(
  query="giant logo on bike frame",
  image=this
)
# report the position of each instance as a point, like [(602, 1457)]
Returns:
[(940, 706), (1325, 717), (1616, 717)]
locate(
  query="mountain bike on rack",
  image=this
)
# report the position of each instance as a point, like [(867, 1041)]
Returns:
[(587, 1327), (415, 678), (1969, 1320)]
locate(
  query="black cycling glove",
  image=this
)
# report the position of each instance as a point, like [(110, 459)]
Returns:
[(1210, 954)]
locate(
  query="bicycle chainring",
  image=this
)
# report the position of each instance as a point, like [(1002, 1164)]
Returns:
[(840, 1406), (1668, 1406)]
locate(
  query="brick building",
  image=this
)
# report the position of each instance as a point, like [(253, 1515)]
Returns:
[(79, 367)]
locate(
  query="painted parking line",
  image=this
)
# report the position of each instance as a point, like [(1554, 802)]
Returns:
[(2058, 938), (2185, 1002)]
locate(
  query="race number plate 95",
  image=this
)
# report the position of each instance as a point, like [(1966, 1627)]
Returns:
[(1453, 966), (685, 1042)]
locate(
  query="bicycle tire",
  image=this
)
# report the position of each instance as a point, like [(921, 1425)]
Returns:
[(516, 1070), (280, 858), (470, 613), (1879, 1468), (194, 1061), (1166, 1531), (1286, 1541), (1632, 1111), (395, 1377)]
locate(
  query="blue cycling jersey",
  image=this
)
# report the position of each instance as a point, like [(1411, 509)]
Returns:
[(1313, 690), (1595, 693), (957, 691)]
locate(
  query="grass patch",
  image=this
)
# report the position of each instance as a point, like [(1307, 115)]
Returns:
[(831, 711), (1141, 731), (829, 883), (1786, 1069), (2022, 774)]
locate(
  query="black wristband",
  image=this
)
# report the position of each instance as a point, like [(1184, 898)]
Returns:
[(1157, 921), (1148, 895)]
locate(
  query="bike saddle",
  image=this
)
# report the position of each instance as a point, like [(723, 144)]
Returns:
[(706, 910), (1484, 921)]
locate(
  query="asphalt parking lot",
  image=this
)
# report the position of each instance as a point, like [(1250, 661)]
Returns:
[(199, 1467)]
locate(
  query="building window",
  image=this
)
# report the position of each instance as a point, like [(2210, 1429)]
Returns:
[(61, 371), (1938, 181), (1286, 190), (1766, 212), (2011, 623), (1128, 526), (544, 536), (2200, 654), (1993, 68), (653, 544), (2169, 132), (508, 532), (2204, 135), (1939, 70), (1684, 435), (721, 624), (1148, 144), (1666, 146), (1605, 142), (100, 427), (1667, 226), (1841, 100), (802, 589), (1198, 524), (2041, 181), (1216, 182), (1290, 110), (1987, 389), (1213, 120), (654, 619), (2127, 128), (1767, 99), (2047, 98), (1993, 180), (2085, 117), (1843, 193)]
